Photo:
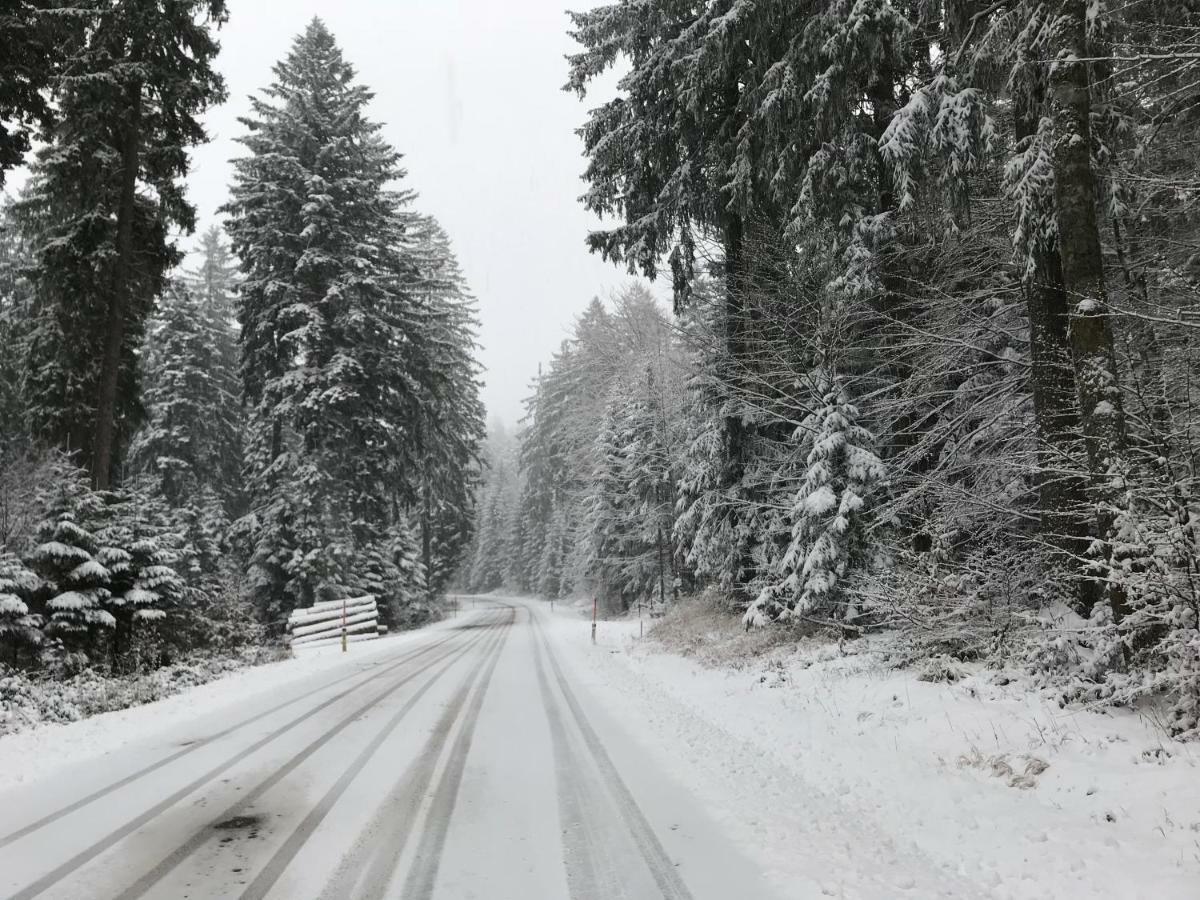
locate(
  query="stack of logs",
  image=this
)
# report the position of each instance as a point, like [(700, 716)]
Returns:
[(323, 624)]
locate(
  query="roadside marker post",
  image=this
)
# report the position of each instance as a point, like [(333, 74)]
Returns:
[(345, 635), (594, 603)]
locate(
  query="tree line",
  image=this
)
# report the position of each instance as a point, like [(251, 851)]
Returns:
[(191, 453), (935, 278)]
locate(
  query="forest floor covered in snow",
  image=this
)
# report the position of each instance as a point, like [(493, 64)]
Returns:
[(844, 776)]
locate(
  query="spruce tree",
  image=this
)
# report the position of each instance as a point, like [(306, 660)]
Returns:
[(15, 300), (75, 582), (105, 192), (138, 547), (19, 628), (337, 329), (192, 438), (452, 425), (32, 53), (214, 281), (827, 514)]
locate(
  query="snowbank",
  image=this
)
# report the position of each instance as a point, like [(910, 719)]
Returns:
[(844, 777)]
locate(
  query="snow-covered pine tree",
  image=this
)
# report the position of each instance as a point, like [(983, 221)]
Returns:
[(138, 547), (205, 526), (537, 462), (495, 545), (20, 630), (105, 191), (75, 583), (192, 437), (827, 514), (406, 604), (337, 329), (606, 516), (630, 517), (452, 428), (15, 299), (32, 55), (710, 527), (554, 577), (215, 280)]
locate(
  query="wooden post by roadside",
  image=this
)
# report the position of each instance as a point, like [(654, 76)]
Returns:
[(345, 634), (595, 601)]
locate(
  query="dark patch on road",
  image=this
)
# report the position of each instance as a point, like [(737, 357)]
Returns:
[(238, 823)]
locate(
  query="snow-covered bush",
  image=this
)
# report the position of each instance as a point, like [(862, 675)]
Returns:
[(20, 630), (1143, 640), (74, 582)]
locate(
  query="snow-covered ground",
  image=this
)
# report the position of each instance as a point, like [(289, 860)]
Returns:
[(39, 752), (841, 777), (816, 773)]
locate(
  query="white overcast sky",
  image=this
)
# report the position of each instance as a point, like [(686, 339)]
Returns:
[(470, 92)]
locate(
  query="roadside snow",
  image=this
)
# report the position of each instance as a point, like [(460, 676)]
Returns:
[(843, 778), (37, 753)]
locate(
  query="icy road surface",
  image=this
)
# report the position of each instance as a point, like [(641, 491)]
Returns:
[(457, 763)]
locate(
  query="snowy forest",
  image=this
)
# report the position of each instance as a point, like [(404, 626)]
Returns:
[(930, 368), (201, 430), (933, 274)]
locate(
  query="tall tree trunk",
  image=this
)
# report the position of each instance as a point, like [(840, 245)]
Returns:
[(1096, 376), (876, 338), (736, 327), (114, 335), (427, 538), (1062, 496), (1150, 378)]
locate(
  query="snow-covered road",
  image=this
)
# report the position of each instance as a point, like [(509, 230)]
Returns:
[(460, 762)]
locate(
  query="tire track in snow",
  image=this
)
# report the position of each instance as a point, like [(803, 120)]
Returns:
[(380, 844), (662, 869), (422, 876), (52, 817), (270, 873), (144, 884), (586, 852), (91, 852)]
